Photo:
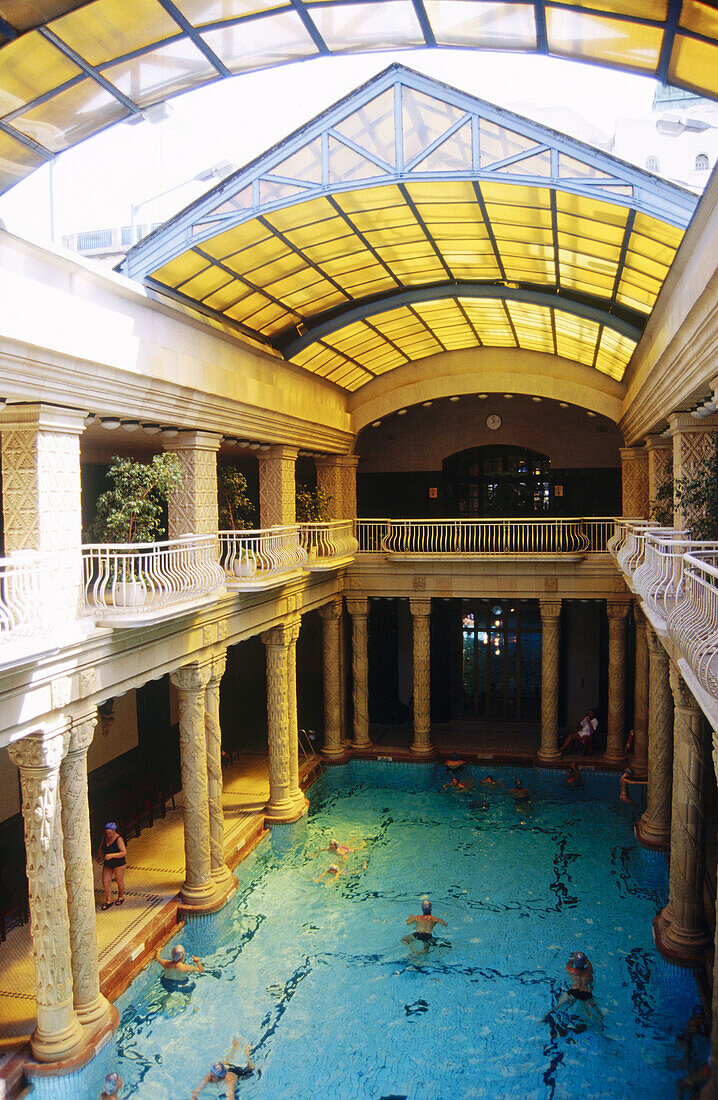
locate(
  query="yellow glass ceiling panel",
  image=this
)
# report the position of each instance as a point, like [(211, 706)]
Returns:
[(224, 298), (205, 283), (100, 32), (183, 268), (601, 38), (660, 232), (30, 67), (70, 116), (16, 160), (699, 17)]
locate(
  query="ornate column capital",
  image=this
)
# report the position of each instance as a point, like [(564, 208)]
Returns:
[(194, 441), (294, 627), (331, 610), (82, 732), (279, 635), (40, 752), (219, 664), (683, 697), (193, 677), (550, 609), (616, 609), (420, 609), (38, 417), (358, 606)]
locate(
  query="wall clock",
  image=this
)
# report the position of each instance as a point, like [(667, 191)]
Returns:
[(493, 422)]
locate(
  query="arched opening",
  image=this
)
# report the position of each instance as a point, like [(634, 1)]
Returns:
[(498, 480)]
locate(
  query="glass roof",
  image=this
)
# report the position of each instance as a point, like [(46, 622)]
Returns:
[(410, 219), (68, 68)]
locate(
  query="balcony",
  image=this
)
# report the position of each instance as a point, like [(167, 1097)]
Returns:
[(505, 539), (135, 584), (36, 612), (260, 559), (329, 545)]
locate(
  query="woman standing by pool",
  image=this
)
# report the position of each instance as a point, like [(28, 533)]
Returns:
[(112, 854)]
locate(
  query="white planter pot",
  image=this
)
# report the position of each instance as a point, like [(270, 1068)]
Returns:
[(245, 567), (129, 594)]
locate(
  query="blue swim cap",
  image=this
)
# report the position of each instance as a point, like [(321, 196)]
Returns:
[(112, 825), (579, 960), (112, 1081), (426, 906), (219, 1070)]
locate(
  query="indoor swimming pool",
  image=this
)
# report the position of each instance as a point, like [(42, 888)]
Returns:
[(316, 978)]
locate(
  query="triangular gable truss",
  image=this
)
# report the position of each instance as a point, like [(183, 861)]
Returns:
[(367, 139)]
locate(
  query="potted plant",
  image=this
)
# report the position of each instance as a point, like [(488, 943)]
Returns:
[(131, 511), (235, 512)]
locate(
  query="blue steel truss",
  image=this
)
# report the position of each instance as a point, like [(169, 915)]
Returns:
[(271, 183)]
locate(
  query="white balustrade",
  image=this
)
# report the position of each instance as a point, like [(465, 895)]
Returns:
[(693, 623), (326, 543), (32, 596), (485, 537), (630, 555), (252, 559), (126, 581)]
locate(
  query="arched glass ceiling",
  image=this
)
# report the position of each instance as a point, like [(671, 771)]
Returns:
[(412, 218), (68, 68)]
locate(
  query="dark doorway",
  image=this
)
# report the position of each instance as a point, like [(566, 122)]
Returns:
[(501, 661), (497, 481)]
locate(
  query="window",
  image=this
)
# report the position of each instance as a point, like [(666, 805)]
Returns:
[(702, 162), (652, 164)]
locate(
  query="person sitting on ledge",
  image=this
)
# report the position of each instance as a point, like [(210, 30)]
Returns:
[(113, 1084), (455, 764), (583, 732), (228, 1072), (628, 778)]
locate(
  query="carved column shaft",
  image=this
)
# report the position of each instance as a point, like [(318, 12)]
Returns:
[(421, 619), (90, 1005), (616, 718), (277, 486), (191, 682), (684, 930), (192, 508), (58, 1033), (329, 478), (634, 482), (281, 805), (219, 870), (358, 608), (660, 464), (654, 828), (640, 706), (331, 617), (550, 613), (692, 445), (295, 791), (348, 466)]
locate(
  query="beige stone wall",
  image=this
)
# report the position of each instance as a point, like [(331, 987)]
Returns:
[(9, 787), (116, 737)]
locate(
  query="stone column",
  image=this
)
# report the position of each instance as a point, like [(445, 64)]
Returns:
[(640, 696), (421, 619), (660, 464), (550, 615), (92, 1008), (348, 467), (277, 486), (329, 478), (692, 445), (681, 927), (710, 1090), (281, 806), (654, 828), (192, 509), (331, 617), (634, 482), (199, 888), (41, 497), (295, 791), (58, 1034), (358, 608), (219, 870), (616, 718)]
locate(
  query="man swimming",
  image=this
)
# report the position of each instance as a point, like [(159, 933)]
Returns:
[(228, 1072), (580, 972), (424, 922)]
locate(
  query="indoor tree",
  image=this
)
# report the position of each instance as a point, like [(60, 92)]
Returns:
[(132, 509)]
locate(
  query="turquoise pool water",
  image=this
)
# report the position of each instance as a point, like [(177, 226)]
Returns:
[(316, 978)]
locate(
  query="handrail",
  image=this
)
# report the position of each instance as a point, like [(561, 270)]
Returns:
[(33, 595), (485, 537), (258, 555), (130, 579), (325, 542), (693, 623)]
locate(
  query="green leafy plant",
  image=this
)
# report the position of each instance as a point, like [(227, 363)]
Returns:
[(661, 509), (697, 498), (235, 507), (131, 511), (312, 505)]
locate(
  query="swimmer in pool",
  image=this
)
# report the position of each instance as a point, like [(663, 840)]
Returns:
[(573, 776), (580, 972), (333, 871), (520, 793), (343, 849), (455, 785), (489, 781), (423, 933), (175, 968), (113, 1084), (228, 1072), (455, 765)]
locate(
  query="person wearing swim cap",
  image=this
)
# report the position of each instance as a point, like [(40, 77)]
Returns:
[(628, 779), (229, 1072), (175, 968), (112, 854), (333, 870), (423, 932), (580, 972), (113, 1084), (343, 849)]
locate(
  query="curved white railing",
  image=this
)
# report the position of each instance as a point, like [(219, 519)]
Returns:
[(693, 623), (32, 595), (132, 579), (256, 556), (630, 555), (326, 542), (659, 577), (484, 537)]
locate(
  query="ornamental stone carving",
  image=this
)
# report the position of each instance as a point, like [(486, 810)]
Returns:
[(91, 1007), (684, 926), (192, 508), (421, 618), (295, 791), (654, 828), (330, 479), (358, 608), (660, 464), (640, 707), (58, 1033), (615, 720), (280, 806), (634, 482), (331, 617), (348, 466), (219, 870), (550, 615), (277, 489), (693, 443), (191, 682)]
